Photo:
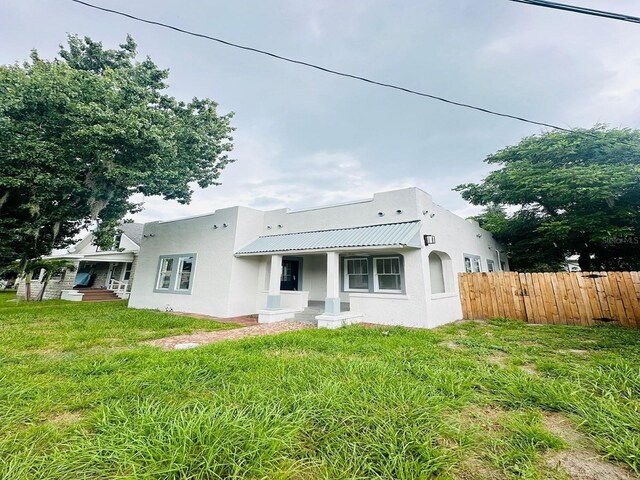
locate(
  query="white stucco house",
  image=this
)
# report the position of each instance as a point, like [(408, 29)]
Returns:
[(95, 268), (391, 259)]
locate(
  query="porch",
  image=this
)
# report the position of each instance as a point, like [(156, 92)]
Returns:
[(332, 278), (102, 276)]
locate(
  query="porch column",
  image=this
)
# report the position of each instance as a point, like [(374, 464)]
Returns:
[(332, 302), (273, 298)]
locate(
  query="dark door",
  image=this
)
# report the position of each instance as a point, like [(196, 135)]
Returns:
[(290, 274)]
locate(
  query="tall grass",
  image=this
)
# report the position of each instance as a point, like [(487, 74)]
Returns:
[(81, 398)]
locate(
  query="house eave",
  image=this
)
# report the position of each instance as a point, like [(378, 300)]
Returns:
[(312, 251)]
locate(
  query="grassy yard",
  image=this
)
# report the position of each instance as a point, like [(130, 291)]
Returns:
[(80, 398)]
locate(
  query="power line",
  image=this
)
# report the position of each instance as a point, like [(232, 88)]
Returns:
[(324, 69), (586, 11)]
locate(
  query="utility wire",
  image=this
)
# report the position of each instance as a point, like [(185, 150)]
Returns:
[(575, 9), (324, 69)]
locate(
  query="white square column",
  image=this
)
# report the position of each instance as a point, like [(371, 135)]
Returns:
[(332, 302), (275, 273)]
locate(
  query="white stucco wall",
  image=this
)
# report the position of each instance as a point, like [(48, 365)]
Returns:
[(314, 276), (222, 285), (408, 309)]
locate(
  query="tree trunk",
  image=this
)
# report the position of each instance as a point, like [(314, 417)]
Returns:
[(584, 261), (45, 282), (27, 286)]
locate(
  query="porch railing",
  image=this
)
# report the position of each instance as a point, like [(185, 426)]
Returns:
[(119, 288)]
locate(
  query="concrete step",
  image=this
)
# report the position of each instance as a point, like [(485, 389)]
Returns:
[(308, 315)]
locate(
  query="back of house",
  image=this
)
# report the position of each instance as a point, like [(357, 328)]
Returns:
[(391, 259)]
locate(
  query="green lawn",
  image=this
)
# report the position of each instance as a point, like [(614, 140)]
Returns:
[(80, 398)]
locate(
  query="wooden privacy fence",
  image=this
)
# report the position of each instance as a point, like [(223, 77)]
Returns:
[(563, 298)]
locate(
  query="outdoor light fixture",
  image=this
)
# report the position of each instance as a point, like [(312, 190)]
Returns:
[(429, 239)]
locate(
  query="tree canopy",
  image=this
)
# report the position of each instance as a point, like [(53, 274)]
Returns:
[(81, 134), (559, 194)]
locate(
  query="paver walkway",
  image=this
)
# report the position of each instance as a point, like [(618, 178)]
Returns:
[(238, 320), (182, 342)]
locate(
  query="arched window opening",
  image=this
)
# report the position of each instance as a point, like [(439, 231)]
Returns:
[(440, 273)]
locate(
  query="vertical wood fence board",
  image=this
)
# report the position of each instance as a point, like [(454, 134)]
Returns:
[(584, 304), (634, 301), (574, 300), (561, 296), (526, 295), (518, 297)]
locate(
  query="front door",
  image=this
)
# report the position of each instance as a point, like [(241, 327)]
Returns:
[(290, 274)]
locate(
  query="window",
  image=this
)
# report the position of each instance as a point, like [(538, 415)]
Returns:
[(356, 274), (373, 274), (175, 273), (184, 273), (387, 274), (127, 272), (490, 266), (164, 279), (472, 263)]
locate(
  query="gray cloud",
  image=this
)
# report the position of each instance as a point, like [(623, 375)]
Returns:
[(306, 138)]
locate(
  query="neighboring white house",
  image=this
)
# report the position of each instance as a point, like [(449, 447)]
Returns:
[(392, 259), (95, 268)]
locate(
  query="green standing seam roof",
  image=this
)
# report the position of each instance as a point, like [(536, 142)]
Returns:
[(390, 234)]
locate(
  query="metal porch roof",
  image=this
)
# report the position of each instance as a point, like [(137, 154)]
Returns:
[(390, 234)]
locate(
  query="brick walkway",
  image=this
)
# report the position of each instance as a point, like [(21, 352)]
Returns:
[(238, 320), (182, 342)]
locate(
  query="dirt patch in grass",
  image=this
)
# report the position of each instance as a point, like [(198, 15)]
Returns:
[(587, 465), (487, 417), (65, 418), (499, 359), (475, 469), (451, 345), (581, 461), (530, 369), (575, 351)]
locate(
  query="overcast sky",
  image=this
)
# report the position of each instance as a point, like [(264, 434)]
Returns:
[(305, 138)]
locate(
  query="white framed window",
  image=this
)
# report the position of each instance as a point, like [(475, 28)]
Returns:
[(127, 272), (490, 266), (356, 274), (175, 273), (164, 275), (185, 268), (386, 275), (472, 263)]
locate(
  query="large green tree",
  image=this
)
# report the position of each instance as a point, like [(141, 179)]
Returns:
[(81, 134), (565, 193)]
